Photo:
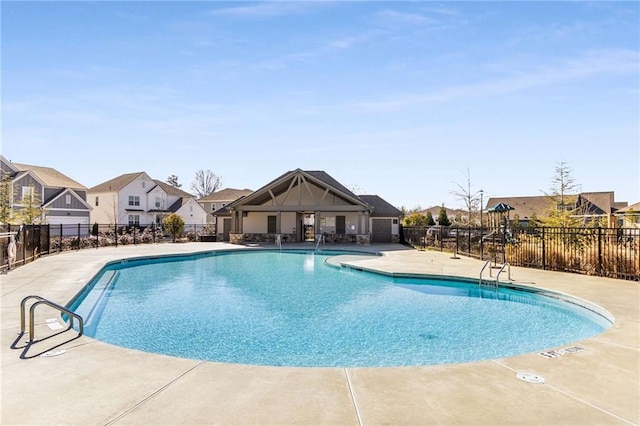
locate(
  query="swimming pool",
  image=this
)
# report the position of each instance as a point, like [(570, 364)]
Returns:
[(293, 309)]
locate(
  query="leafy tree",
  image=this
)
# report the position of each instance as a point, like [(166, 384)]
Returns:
[(174, 224), (31, 211), (205, 183), (415, 219), (5, 198), (442, 217), (173, 181)]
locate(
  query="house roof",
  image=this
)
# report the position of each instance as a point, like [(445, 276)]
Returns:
[(599, 202), (227, 194), (50, 176), (591, 203), (380, 206), (116, 184), (282, 183), (524, 207), (451, 213), (171, 190), (632, 208)]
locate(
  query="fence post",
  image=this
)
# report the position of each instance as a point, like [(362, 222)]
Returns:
[(544, 255), (153, 232), (60, 239), (78, 235), (134, 230), (600, 269), (23, 238), (115, 233)]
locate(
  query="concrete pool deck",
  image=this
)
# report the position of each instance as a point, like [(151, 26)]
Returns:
[(97, 383)]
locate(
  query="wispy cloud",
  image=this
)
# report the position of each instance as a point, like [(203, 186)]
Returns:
[(593, 63), (268, 10)]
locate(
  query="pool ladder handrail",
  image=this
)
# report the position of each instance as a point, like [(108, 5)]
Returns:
[(482, 270), (279, 241), (319, 239), (504, 265), (43, 301)]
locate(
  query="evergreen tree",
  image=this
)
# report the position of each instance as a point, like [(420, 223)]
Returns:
[(442, 217), (173, 181), (430, 221)]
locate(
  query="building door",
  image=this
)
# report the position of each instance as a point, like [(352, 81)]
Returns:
[(309, 227), (381, 231)]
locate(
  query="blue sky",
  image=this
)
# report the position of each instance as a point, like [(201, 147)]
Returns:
[(398, 99)]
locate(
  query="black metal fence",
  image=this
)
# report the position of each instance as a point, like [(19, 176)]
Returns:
[(606, 252), (24, 243)]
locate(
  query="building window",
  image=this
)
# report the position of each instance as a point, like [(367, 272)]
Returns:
[(134, 219), (213, 207), (67, 199), (143, 184), (97, 201), (27, 192), (158, 200), (271, 224), (395, 221), (134, 200)]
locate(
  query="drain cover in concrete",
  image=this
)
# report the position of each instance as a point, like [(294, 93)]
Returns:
[(53, 353), (530, 377)]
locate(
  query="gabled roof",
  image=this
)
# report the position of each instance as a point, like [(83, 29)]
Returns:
[(227, 194), (183, 201), (49, 176), (171, 190), (524, 207), (598, 202), (64, 192), (117, 183), (282, 183), (632, 208), (380, 206), (451, 213)]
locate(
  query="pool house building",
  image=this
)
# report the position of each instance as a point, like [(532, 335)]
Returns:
[(303, 206)]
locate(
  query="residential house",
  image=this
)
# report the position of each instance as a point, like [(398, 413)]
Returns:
[(588, 206), (455, 216), (137, 199), (628, 217), (219, 199), (300, 205), (63, 200)]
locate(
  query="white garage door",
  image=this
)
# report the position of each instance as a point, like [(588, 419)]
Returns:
[(69, 225)]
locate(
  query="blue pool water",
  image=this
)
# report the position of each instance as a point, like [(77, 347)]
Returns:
[(293, 309)]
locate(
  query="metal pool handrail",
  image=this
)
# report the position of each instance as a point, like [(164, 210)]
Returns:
[(43, 301), (482, 270)]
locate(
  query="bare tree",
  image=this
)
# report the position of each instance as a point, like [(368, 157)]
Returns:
[(205, 183), (470, 198)]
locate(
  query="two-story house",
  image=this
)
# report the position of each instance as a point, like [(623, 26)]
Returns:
[(138, 199), (62, 199), (219, 199)]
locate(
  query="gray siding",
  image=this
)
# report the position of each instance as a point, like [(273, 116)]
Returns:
[(67, 214), (61, 203), (26, 181)]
